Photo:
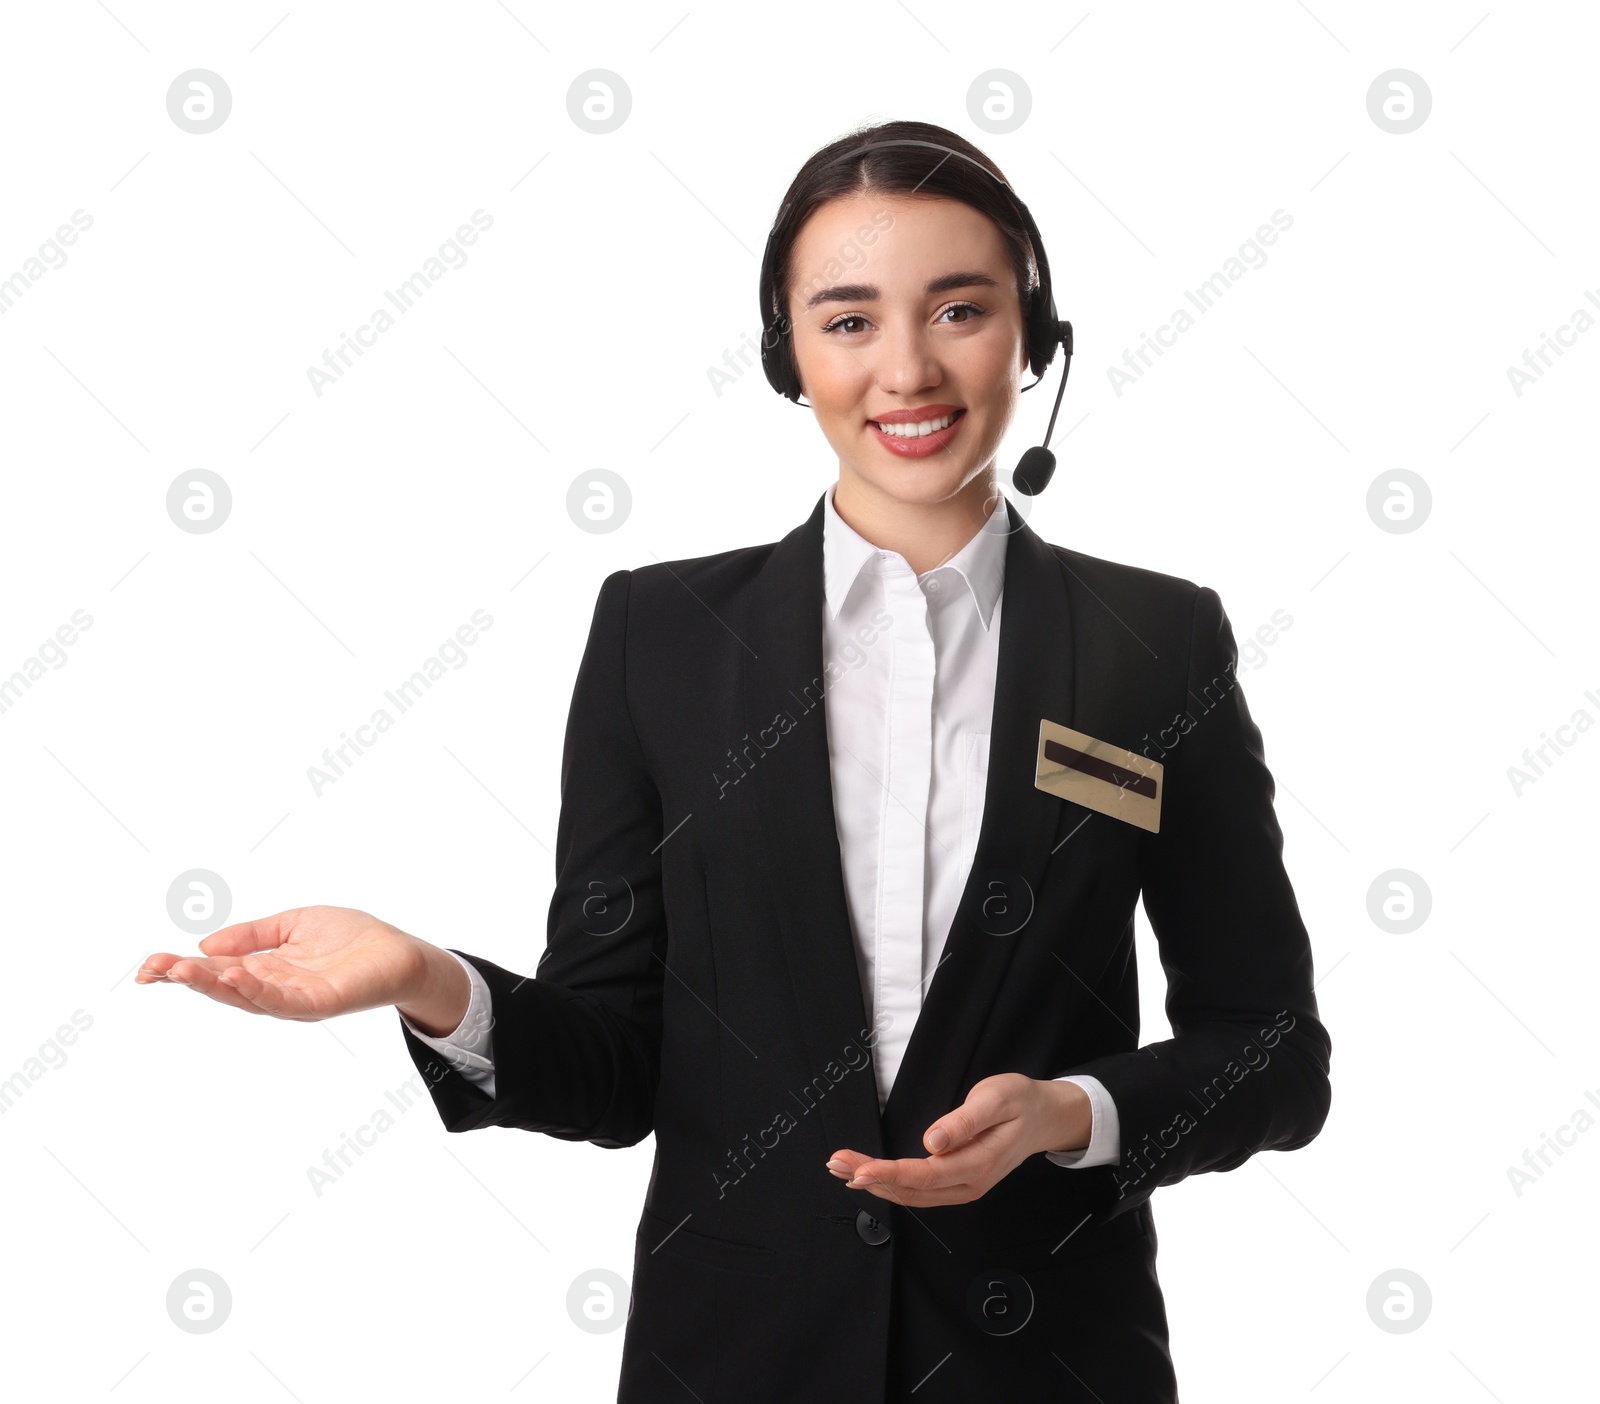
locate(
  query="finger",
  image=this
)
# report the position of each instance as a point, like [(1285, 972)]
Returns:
[(914, 1198), (157, 965), (917, 1174), (990, 1102), (269, 997), (980, 1162), (195, 975), (925, 1199), (843, 1163), (263, 934), (894, 1187)]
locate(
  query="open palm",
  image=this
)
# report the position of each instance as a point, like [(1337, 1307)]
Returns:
[(309, 963)]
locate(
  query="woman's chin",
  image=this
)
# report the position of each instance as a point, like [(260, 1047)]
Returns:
[(924, 482), (921, 482)]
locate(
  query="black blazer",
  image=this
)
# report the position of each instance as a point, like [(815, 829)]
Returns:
[(700, 982)]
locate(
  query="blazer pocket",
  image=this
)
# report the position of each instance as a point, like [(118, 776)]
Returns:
[(659, 1236)]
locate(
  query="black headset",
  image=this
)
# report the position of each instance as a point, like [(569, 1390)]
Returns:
[(1044, 332)]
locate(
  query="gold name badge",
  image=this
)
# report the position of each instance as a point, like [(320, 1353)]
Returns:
[(1099, 776)]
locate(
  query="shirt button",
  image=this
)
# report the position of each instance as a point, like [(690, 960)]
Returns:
[(871, 1228)]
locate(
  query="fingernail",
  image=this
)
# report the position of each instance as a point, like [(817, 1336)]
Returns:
[(838, 1167), (938, 1139), (861, 1181)]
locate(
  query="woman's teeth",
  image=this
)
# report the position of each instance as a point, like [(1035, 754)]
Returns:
[(916, 431)]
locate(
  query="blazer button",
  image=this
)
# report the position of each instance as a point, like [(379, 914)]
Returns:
[(872, 1229), (1000, 1302)]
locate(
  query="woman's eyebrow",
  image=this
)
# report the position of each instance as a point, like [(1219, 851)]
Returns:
[(868, 292)]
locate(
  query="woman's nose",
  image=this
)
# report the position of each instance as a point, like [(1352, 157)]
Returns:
[(904, 363)]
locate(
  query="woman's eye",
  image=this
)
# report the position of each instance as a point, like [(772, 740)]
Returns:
[(850, 323), (839, 322)]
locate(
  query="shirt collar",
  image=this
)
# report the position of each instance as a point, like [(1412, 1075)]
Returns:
[(845, 552)]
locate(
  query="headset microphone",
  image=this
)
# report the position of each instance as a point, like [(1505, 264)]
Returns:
[(1038, 464)]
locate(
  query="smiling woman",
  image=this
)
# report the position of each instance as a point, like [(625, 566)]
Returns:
[(952, 294), (913, 376), (959, 1209)]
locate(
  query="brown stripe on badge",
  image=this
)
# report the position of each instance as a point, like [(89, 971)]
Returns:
[(1099, 776)]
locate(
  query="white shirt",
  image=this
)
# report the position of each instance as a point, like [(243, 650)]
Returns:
[(908, 750)]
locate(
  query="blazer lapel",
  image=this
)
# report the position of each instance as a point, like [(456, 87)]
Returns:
[(800, 842), (800, 838)]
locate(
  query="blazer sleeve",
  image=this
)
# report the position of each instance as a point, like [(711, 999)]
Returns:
[(1247, 1066), (577, 1045)]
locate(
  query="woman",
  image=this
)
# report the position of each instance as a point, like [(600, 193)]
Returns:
[(853, 828)]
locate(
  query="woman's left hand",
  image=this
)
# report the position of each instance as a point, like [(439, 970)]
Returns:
[(1005, 1119)]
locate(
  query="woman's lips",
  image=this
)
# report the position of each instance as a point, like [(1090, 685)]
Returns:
[(921, 445)]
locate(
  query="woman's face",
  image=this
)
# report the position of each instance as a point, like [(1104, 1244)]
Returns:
[(920, 324)]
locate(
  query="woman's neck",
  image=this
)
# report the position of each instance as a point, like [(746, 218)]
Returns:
[(926, 533)]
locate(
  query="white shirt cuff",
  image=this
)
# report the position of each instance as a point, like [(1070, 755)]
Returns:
[(469, 1047), (1105, 1133)]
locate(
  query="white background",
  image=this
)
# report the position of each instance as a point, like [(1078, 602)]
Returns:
[(369, 522)]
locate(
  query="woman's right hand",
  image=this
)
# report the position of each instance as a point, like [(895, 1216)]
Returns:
[(313, 963)]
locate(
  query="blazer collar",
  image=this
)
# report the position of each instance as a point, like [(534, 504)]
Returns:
[(981, 563), (799, 846)]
